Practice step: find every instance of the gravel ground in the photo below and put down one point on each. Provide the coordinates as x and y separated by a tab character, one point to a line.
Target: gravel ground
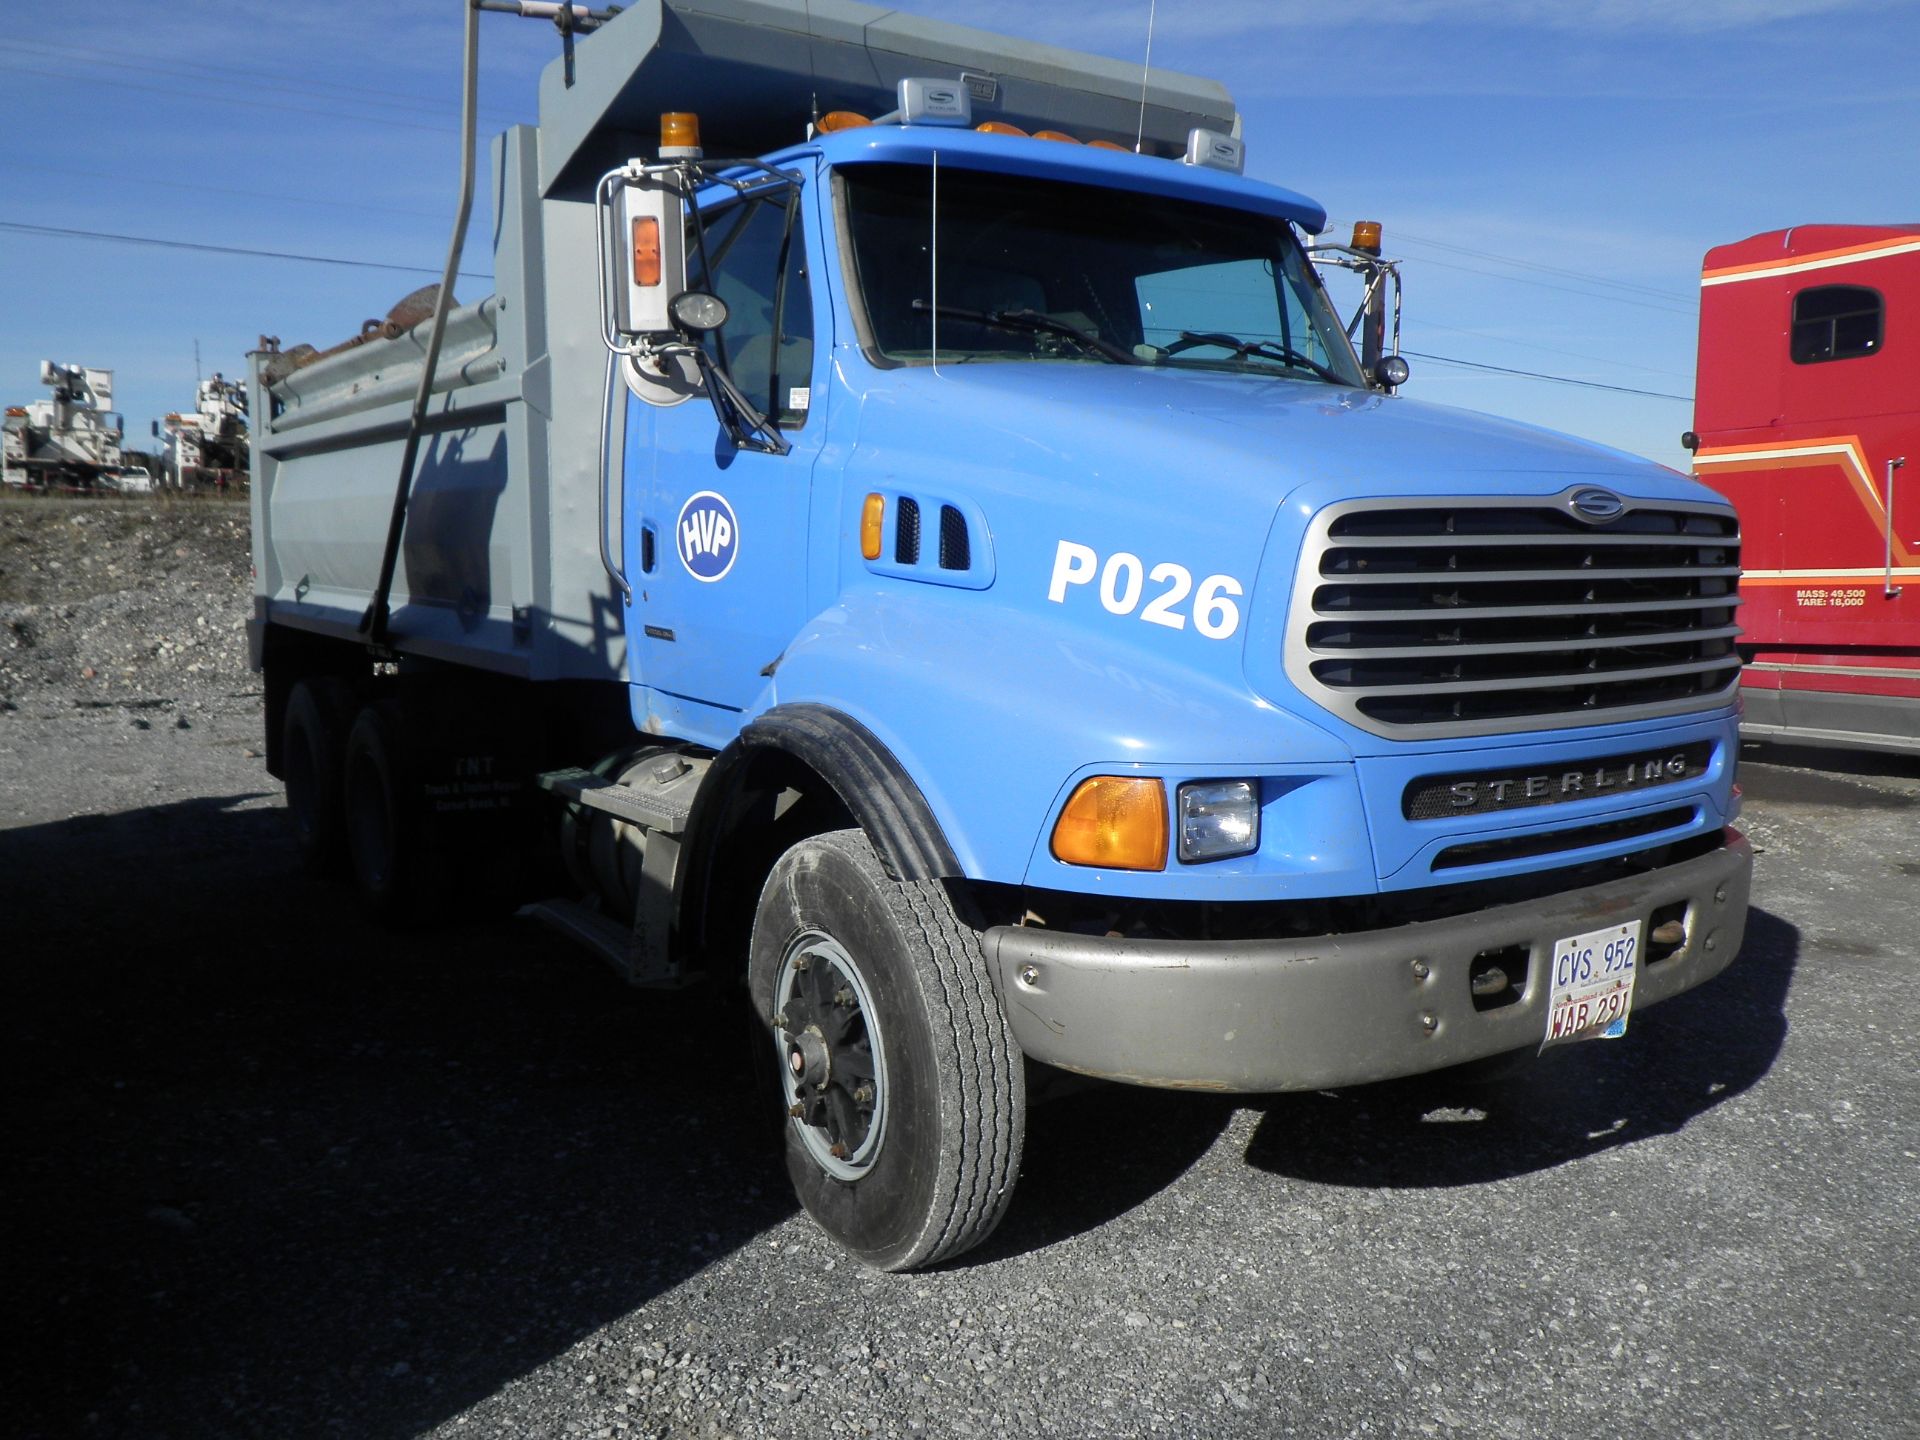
277	1172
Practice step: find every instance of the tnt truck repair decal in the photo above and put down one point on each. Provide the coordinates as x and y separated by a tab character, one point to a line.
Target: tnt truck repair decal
708	536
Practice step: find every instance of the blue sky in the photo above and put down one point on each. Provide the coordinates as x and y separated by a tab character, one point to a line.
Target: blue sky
1550	171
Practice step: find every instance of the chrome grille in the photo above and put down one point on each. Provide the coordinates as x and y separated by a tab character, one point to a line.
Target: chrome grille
1438	618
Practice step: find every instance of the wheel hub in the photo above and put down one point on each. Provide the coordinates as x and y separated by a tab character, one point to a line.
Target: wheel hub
832	1067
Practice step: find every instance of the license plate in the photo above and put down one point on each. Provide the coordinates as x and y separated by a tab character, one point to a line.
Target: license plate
1593	984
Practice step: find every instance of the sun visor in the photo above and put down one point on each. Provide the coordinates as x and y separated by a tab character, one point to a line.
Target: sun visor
756	71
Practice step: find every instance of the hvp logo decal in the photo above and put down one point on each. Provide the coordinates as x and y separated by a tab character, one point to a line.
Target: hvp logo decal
708	536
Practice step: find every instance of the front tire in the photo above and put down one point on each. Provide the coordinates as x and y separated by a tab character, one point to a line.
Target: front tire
904	1089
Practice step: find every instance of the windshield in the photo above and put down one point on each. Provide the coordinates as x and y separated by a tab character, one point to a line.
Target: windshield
1034	270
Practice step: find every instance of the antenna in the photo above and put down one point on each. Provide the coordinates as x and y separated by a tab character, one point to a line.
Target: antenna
1140	135
933	249
196	362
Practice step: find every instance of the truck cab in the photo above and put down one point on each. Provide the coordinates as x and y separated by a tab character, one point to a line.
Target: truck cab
994	616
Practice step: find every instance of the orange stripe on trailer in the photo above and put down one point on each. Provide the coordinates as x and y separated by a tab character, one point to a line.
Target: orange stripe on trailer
1844	451
1819	260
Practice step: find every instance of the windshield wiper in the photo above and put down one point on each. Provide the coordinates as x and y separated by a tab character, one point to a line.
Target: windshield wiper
1264	349
1031	322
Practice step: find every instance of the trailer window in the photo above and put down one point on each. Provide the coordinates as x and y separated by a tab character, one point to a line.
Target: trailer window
759	263
1836	322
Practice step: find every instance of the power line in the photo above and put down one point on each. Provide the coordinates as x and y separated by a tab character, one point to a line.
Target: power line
1556	379
214	97
1547	285
1649	290
61	233
68	172
1426	324
247	75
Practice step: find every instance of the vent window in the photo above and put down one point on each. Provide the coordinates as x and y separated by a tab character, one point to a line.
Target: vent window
1836	322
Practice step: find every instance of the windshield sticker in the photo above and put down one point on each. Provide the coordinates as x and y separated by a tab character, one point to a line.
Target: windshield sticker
1126	580
708	536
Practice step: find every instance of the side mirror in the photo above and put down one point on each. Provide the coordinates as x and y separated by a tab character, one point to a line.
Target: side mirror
698	311
1391	371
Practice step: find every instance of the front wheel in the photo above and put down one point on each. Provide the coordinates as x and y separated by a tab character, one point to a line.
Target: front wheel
904	1090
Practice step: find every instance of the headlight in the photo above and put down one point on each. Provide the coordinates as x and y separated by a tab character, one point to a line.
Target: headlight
1219	818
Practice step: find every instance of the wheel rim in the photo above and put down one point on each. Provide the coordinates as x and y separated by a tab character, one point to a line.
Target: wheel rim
833	1070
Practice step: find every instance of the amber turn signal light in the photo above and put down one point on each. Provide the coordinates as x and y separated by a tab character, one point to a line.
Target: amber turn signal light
1114	824
646	251
841	120
873	519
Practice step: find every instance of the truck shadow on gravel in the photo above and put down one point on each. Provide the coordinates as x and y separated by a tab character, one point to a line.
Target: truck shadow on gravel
276	1171
1678	1061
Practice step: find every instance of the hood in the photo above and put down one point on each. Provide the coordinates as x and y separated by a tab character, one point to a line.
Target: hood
1276	434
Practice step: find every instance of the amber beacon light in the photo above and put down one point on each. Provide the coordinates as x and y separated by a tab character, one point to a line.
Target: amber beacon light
1114	823
679	135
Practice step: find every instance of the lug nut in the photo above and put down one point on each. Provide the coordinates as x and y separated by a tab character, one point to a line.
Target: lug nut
838	1150
843	997
795	1111
864	1095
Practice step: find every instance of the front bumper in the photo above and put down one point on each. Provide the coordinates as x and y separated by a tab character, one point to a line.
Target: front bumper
1307	1014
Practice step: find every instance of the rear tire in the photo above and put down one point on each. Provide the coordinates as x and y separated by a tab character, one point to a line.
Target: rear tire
380	810
893	1048
312	747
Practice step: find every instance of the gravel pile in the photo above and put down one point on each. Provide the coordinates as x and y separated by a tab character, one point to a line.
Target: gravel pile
103	602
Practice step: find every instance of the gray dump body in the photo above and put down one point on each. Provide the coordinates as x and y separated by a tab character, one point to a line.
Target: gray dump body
499	564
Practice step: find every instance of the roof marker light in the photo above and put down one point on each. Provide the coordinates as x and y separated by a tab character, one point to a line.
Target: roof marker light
931	102
1215	151
999	127
841	120
1055	135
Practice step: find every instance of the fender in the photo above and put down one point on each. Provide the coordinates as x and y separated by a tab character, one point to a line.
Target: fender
874	785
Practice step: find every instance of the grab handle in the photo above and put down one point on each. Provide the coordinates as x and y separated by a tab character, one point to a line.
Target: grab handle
1892	589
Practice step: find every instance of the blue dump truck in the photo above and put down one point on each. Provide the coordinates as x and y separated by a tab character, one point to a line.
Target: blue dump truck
910	536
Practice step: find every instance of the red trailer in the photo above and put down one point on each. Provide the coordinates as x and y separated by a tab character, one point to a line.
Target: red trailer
1807	407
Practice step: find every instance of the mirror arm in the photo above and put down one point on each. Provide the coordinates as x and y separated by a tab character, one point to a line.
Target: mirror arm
745	426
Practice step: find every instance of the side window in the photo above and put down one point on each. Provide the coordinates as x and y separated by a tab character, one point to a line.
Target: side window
760	270
1836	322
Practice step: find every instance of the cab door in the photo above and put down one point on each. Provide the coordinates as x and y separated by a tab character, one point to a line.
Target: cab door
720	542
